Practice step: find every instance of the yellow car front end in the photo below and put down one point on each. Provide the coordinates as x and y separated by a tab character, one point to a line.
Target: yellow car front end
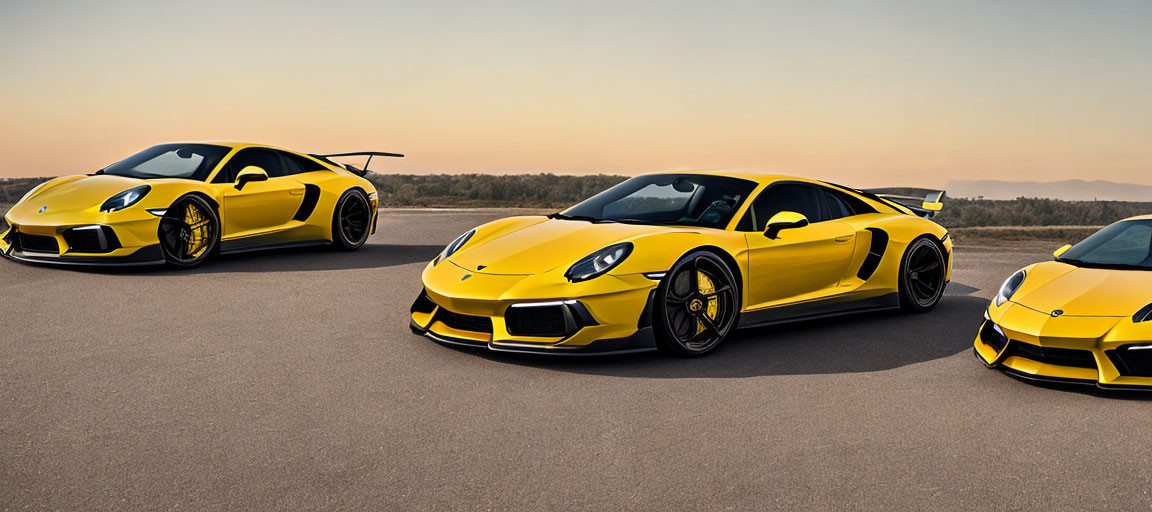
65	222
1104	351
1085	318
522	313
508	294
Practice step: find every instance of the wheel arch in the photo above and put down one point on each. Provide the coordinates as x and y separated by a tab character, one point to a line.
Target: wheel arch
727	258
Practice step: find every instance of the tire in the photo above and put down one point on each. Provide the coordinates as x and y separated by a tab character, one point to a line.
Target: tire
922	274
189	232
697	304
351	221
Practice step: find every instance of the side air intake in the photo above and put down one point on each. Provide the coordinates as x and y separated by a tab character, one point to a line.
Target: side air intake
875	253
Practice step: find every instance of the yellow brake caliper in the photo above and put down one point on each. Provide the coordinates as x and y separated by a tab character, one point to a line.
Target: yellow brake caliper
706	287
197	227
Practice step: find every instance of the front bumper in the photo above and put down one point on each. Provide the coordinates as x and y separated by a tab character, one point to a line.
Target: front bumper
1032	345
131	240
532	314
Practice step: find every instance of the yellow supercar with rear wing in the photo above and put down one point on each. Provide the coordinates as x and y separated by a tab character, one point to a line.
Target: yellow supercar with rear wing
677	261
180	203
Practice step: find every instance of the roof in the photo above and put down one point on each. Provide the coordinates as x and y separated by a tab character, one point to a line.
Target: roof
759	177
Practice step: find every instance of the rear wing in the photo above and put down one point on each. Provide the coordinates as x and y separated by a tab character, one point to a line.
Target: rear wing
921	201
350	167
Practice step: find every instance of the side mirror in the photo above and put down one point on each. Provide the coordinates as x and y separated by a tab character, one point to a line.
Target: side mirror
1059	252
782	221
250	173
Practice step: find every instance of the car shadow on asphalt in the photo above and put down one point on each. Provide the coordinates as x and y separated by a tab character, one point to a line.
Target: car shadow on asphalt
302	259
848	344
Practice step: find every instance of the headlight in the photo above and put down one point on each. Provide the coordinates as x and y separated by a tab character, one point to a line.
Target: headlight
455	246
599	262
1010	286
125	199
32	192
373	197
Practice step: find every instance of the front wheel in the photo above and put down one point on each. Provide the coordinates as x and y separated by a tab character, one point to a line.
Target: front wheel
696	305
922	275
351	221
189	232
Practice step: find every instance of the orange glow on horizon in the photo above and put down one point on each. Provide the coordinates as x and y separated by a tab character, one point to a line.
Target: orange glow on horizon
893	95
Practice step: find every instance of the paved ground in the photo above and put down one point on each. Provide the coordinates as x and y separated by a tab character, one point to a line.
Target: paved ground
290	380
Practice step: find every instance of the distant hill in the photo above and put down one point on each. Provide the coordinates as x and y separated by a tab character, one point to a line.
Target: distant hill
1069	190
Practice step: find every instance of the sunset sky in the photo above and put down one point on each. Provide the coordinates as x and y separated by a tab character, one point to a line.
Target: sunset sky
867	93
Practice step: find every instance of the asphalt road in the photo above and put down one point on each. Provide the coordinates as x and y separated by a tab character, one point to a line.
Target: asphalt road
291	380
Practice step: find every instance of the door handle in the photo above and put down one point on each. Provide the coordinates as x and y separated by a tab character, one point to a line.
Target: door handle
842	239
296	192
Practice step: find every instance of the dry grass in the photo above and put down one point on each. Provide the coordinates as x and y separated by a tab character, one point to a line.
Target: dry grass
1018	235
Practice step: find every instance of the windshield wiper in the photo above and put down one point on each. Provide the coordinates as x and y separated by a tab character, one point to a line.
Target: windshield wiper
1109	266
644	222
585	218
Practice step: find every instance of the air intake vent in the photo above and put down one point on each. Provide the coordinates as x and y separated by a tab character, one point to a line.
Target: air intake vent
1132	360
423	304
992	336
1143	315
37	243
1049	355
547	320
875	253
91	239
465	322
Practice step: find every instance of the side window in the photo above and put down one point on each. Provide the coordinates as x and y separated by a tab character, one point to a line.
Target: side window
837	208
298	164
262	158
788	197
291	166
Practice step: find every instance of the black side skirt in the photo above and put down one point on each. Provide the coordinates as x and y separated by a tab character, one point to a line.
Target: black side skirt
818	309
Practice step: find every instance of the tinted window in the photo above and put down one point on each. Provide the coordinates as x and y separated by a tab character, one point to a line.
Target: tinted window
263	158
187	161
679	199
837	209
1125	244
291	166
297	164
786	197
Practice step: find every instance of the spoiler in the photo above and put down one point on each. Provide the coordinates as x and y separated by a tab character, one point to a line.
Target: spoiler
351	168
921	201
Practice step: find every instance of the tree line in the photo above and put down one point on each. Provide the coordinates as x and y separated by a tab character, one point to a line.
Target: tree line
558	191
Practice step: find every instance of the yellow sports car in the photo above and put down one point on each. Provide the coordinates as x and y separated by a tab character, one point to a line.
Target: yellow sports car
1084	318
180	203
677	261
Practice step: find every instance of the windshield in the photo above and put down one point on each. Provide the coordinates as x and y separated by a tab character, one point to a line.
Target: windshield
675	199
187	161
1123	245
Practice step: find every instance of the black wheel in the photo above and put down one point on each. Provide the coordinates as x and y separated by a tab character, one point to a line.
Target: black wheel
922	274
189	232
696	305
351	221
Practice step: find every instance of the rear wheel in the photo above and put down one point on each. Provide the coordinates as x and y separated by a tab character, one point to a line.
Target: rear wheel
351	221
696	305
189	232
922	274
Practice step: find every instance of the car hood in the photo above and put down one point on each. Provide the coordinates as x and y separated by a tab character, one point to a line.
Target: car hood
79	193
545	246
1079	291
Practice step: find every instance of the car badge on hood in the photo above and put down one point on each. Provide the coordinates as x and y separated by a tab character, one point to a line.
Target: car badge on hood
42	209
1057	313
